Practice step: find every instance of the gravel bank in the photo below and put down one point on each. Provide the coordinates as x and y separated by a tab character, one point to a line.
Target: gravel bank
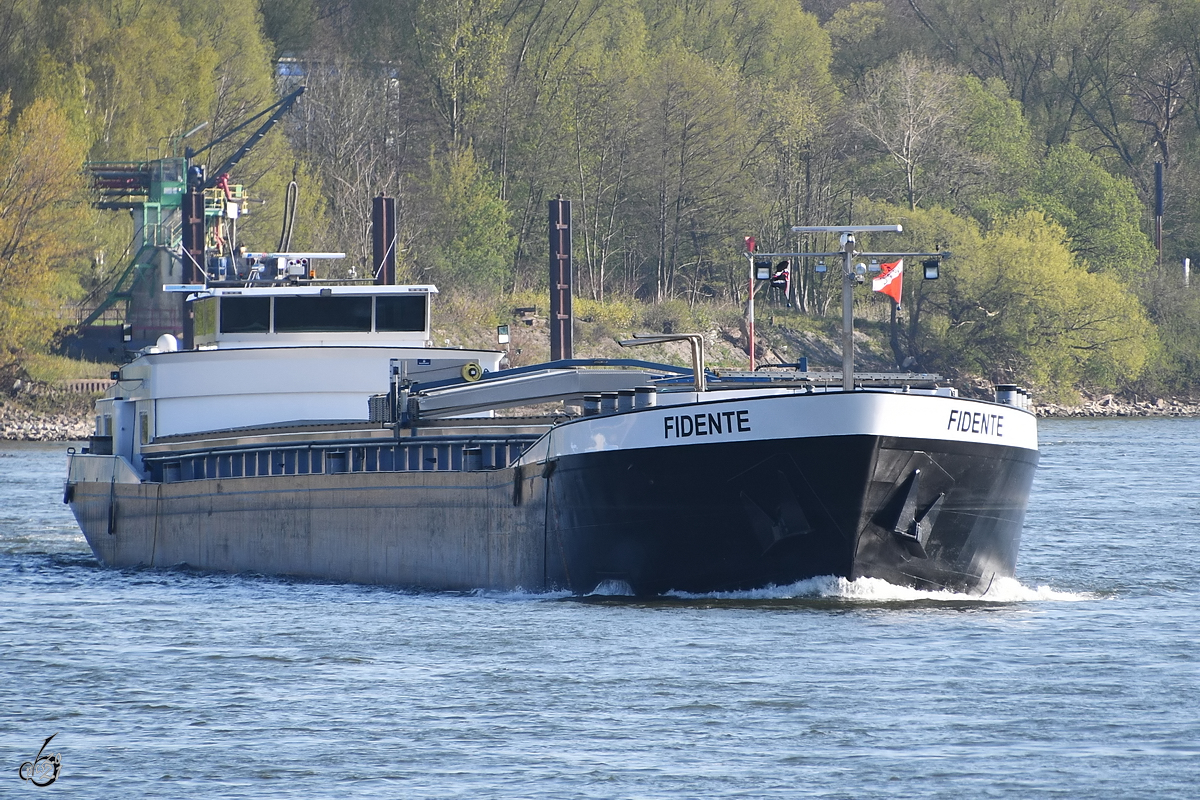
18	423
1110	406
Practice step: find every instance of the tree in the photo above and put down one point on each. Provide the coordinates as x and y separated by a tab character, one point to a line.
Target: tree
865	36
994	147
466	238
288	24
1014	305
1020	307
351	126
44	217
605	131
135	96
458	46
1101	213
567	66
907	111
694	149
1029	44
1175	369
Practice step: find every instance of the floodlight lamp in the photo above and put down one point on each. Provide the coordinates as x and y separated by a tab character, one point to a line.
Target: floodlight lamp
931	269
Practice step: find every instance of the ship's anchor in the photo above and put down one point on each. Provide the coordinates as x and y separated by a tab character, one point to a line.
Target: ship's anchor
914	529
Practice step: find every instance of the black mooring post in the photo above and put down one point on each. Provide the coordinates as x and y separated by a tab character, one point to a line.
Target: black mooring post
383	240
561	345
1158	210
192	213
192	216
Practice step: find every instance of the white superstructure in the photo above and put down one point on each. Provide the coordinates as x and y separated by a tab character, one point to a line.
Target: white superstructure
269	355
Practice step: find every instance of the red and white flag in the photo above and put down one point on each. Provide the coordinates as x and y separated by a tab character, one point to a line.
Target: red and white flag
890	280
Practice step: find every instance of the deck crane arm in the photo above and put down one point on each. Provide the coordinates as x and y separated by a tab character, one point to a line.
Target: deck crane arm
275	111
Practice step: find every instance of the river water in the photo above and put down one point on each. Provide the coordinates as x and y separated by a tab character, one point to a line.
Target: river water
1082	680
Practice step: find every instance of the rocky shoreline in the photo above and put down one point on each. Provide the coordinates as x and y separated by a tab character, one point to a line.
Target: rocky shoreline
1110	406
21	424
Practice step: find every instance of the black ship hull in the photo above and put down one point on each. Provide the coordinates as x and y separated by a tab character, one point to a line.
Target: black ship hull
740	516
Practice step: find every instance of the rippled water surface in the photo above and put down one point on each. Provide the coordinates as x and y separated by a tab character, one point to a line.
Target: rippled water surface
1082	680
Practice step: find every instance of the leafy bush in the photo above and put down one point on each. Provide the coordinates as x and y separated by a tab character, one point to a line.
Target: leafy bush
675	316
612	314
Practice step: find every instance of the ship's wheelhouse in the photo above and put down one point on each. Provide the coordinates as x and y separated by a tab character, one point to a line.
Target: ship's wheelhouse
302	315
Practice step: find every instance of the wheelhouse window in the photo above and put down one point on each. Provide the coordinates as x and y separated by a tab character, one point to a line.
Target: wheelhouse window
245	314
400	313
322	314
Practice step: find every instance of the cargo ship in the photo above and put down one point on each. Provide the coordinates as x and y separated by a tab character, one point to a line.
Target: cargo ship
312	429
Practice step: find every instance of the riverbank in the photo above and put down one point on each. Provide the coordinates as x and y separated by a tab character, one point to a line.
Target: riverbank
1112	406
19	423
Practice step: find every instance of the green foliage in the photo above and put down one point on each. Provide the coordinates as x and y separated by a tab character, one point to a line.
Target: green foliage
773	41
469	241
43	222
675	316
288	24
458	47
1019	305
1100	212
1175	368
139	73
864	36
50	369
614	314
1039	48
997	134
1013	304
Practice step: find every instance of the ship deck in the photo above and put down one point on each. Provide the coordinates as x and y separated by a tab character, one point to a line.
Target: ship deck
315	447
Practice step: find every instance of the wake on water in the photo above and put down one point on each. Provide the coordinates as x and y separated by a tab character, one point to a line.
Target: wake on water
825	587
875	590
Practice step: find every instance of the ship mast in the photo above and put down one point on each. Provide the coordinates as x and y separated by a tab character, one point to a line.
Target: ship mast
850	276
